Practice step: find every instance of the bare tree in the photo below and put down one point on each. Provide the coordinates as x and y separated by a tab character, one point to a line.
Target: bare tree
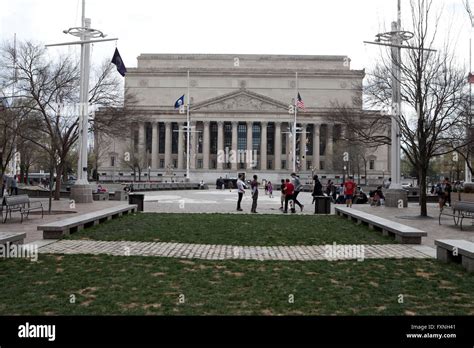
50	88
433	97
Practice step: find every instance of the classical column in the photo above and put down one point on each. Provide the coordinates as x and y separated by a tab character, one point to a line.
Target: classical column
316	146
167	145
154	146
235	126
141	140
193	149
220	144
277	146
250	159
263	146
206	145
180	146
303	147
329	147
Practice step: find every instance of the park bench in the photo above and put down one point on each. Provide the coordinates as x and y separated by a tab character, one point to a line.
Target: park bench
453	250
12	238
459	210
20	203
402	233
58	229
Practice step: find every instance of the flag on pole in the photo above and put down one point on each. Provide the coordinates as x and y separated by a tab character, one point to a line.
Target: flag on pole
117	60
470	78
179	102
300	103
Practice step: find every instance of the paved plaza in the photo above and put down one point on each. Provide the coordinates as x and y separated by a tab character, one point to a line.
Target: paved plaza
224	201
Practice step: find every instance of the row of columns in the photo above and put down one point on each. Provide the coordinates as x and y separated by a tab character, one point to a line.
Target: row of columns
220	144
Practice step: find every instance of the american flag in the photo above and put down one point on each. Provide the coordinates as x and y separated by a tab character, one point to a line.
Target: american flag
300	103
470	78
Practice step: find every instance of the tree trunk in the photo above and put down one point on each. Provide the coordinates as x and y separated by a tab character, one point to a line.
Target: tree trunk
422	180
59	175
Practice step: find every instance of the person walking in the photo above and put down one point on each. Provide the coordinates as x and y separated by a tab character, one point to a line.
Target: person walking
298	187
349	190
270	189
290	190
447	191
254	188
283	193
240	192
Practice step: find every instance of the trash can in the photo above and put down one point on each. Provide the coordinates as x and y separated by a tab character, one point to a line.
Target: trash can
322	205
138	199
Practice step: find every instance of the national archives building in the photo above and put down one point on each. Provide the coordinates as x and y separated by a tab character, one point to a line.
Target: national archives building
239	104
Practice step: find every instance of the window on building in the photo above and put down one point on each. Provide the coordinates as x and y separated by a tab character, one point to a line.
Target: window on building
372	164
213	164
162	163
309	140
256	137
241	165
161	136
270	164
112	161
175	163
135	140
271	139
228	136
199	164
242	137
148	137
174	138
309	165
213	134
283	143
322	138
321	165
200	140
283	164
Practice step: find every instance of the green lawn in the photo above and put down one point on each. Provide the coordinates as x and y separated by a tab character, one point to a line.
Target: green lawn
149	285
268	230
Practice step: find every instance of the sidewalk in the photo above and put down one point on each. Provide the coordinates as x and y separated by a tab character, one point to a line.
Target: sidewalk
30	225
410	217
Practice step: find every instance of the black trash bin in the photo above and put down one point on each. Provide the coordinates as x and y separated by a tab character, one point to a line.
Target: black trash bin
322	205
138	199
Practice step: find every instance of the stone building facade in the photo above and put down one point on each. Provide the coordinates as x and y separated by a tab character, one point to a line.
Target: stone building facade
241	117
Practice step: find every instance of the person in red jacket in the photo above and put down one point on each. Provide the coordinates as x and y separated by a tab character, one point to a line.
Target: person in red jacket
349	191
290	191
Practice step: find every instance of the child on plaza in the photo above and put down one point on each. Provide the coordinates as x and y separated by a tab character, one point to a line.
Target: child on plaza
270	189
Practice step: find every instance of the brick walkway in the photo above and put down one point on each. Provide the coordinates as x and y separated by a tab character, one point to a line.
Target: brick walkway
229	252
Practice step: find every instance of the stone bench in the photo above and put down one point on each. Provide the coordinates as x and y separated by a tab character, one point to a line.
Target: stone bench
58	229
102	196
12	238
452	250
402	233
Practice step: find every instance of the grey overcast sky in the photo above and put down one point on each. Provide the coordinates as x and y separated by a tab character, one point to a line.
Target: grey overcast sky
326	27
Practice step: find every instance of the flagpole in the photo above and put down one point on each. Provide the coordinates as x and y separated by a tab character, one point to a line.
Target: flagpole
294	124
188	133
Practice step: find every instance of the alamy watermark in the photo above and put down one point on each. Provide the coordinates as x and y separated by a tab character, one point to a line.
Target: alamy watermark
336	252
238	156
10	251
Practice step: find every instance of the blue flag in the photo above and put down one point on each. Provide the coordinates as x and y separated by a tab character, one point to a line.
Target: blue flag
117	60
179	102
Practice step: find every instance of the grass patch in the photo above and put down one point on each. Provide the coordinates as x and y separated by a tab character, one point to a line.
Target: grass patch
245	229
148	285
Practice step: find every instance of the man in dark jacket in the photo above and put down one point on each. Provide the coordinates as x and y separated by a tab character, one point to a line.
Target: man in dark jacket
318	187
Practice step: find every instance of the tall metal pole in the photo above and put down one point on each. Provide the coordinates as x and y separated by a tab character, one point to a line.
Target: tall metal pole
467	170
84	104
188	134
14	163
294	124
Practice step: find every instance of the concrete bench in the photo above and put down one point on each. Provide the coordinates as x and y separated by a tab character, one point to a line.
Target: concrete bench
458	211
402	233
58	229
12	238
454	250
102	196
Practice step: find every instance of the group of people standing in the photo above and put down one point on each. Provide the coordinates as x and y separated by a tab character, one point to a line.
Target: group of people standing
443	191
289	192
